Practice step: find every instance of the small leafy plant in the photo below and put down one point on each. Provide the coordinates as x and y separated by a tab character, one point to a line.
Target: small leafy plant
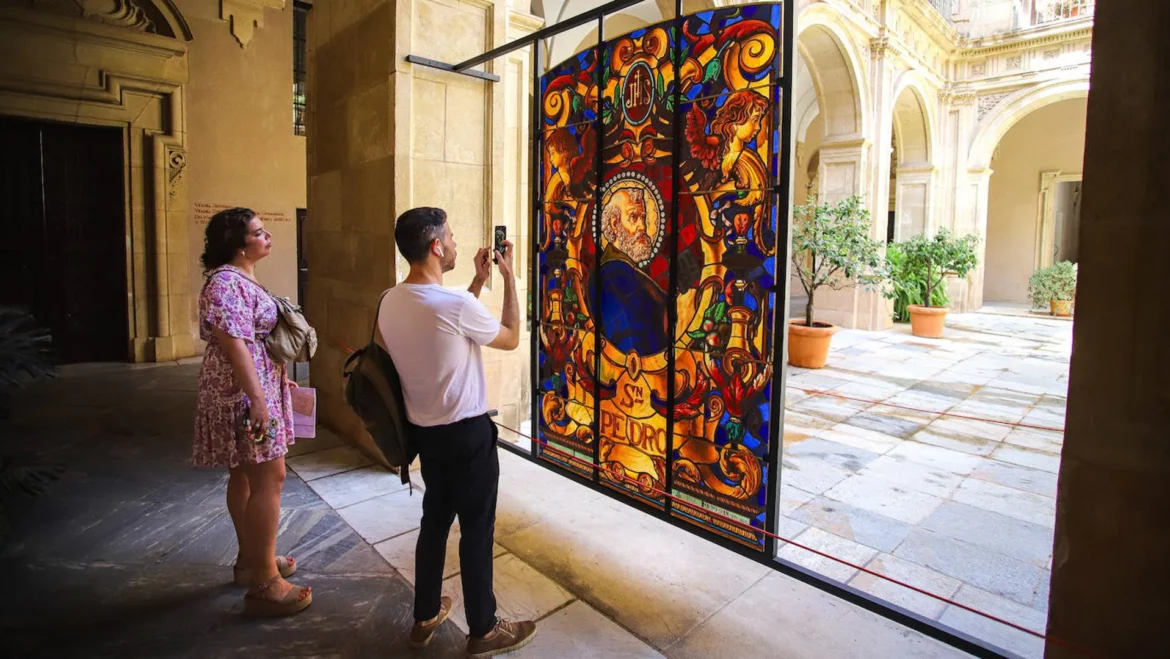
908	284
26	349
1056	282
25	355
938	256
831	246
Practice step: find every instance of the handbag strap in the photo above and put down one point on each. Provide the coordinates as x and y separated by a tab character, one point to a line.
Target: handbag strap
232	269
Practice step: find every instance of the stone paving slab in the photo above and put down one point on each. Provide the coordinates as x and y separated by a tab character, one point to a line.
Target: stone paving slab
830	544
984	568
399	552
795	621
1027	542
1011	639
579	631
328	462
909	573
883	497
861	526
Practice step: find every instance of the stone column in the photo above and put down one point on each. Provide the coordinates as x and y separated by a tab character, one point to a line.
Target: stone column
881	117
967	295
353	179
843	173
1109	575
386	136
962	198
913	198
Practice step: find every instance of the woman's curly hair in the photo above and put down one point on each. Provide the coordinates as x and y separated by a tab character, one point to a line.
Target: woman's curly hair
224	237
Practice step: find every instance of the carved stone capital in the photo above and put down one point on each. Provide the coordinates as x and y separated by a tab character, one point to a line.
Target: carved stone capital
957	96
882	47
245	16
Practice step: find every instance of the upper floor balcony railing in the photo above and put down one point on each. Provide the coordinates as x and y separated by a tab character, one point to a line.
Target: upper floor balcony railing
945	7
984	18
1052	11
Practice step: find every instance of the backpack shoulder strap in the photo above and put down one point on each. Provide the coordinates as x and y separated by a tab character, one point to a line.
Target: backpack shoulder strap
377	312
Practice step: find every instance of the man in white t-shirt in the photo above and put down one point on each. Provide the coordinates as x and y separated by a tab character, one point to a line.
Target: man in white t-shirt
434	335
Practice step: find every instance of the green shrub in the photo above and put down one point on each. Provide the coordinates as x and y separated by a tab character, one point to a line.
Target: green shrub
938	256
908	284
1056	282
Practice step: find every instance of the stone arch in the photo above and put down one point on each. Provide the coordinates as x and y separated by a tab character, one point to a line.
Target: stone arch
1013	108
169	21
911	162
835	73
913	124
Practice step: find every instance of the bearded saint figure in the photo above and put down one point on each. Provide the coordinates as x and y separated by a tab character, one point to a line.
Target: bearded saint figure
632	307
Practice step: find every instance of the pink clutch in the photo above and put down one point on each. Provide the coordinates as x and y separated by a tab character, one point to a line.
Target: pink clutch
304	404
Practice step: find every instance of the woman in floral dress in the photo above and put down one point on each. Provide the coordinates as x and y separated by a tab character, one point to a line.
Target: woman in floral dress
239	382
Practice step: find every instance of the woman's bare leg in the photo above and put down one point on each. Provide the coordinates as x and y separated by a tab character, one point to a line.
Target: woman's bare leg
261	518
238	492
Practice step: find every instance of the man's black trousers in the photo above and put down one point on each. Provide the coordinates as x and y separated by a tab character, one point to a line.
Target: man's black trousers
461	474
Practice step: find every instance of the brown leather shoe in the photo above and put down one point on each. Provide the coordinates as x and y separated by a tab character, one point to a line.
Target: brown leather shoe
422	632
506	637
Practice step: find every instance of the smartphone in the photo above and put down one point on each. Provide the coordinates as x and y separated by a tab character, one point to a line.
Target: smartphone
501	234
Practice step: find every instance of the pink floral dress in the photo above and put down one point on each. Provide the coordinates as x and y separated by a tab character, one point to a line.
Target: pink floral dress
242	309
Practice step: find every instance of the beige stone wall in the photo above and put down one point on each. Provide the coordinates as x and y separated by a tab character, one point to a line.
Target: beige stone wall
1040	142
386	136
57	64
353	183
242	148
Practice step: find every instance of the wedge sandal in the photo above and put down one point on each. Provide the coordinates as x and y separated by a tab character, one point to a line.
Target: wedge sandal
258	606
285	565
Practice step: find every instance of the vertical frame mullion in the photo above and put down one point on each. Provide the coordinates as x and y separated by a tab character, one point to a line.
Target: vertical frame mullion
596	270
535	283
782	203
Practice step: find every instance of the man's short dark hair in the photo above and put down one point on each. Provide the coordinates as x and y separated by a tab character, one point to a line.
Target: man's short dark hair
416	229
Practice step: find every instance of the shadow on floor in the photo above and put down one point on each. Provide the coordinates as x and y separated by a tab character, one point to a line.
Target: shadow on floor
129	553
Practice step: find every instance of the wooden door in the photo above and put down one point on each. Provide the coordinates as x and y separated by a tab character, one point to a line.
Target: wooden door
64	252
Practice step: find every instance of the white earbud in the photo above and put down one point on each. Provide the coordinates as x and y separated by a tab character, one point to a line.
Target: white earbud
441	254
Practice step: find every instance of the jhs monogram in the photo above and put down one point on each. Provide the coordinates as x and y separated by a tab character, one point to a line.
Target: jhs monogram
638	92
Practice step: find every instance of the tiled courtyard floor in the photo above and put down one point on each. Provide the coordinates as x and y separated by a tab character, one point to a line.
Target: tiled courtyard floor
130	550
128	554
959	507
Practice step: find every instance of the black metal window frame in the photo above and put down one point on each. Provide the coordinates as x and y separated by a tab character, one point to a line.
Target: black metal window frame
300	64
910	619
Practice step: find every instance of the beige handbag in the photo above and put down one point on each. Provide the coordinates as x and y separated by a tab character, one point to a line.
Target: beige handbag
293	339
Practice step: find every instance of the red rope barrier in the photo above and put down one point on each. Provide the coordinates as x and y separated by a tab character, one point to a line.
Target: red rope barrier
1013	424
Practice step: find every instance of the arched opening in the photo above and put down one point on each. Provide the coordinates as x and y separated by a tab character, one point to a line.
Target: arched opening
829	133
833	77
910	167
1033	206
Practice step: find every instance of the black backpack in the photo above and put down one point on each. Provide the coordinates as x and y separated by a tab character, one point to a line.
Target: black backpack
374	391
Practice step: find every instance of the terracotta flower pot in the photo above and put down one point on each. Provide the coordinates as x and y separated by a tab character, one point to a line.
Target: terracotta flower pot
808	347
927	322
1062	308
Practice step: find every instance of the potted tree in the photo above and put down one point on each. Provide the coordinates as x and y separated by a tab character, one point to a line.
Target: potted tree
831	246
935	258
1055	288
907	284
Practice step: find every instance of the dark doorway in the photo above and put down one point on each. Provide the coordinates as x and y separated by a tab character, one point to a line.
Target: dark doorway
63	252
